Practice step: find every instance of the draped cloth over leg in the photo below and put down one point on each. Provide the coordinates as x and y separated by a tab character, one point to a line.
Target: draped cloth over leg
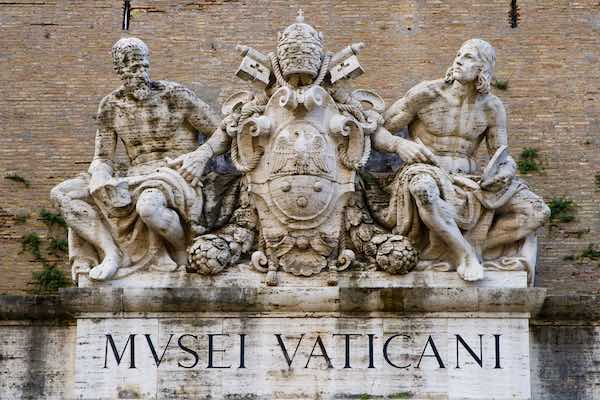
472	210
140	245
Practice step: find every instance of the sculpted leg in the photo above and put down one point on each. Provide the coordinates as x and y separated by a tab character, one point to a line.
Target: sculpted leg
84	220
522	215
152	209
434	212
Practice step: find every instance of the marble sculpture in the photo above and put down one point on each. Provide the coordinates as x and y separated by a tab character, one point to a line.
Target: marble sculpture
302	201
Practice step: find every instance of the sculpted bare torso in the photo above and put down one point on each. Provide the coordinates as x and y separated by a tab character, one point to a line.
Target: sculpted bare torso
161	126
451	126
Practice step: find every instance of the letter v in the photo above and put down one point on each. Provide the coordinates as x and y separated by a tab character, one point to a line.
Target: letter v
157	360
284	350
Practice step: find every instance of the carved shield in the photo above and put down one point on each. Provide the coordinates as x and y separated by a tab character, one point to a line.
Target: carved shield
301	197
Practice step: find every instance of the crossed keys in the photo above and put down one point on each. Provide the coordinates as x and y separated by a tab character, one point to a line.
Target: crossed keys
257	67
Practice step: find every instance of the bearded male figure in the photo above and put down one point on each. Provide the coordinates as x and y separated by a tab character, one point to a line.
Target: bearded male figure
147	217
441	199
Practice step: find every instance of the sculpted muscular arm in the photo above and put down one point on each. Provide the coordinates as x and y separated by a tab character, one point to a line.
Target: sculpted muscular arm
495	137
199	115
400	115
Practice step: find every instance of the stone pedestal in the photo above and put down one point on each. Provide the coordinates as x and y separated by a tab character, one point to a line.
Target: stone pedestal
361	341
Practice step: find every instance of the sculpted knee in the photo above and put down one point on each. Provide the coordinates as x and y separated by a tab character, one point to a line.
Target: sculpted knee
536	215
59	194
149	203
540	214
424	190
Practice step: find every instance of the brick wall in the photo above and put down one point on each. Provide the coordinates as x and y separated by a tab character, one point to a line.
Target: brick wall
55	67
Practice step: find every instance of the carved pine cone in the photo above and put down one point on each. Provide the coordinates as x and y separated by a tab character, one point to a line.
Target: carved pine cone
395	254
211	254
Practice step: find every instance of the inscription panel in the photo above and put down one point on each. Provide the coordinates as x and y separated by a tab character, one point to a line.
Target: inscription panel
291	357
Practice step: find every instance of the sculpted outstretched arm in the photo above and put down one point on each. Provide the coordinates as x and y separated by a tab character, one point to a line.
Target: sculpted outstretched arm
409	151
201	117
398	116
406	109
198	114
219	141
206	121
403	111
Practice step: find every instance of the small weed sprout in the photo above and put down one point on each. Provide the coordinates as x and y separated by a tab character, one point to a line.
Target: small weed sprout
52	219
57	246
562	209
31	242
49	279
528	161
501	84
590	253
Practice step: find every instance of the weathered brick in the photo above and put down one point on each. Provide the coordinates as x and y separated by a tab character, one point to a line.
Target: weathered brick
56	66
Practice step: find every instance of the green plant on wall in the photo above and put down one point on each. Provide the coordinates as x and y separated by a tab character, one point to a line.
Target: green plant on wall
562	209
597	180
52	219
32	242
51	277
501	84
58	246
401	396
528	161
590	253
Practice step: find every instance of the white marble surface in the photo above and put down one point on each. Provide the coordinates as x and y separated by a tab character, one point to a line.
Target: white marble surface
267	376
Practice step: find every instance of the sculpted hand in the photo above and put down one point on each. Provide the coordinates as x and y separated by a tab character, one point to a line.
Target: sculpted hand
465	182
374	120
413	152
96	184
499	181
191	165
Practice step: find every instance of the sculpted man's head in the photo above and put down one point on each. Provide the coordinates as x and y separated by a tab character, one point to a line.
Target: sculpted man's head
131	59
474	62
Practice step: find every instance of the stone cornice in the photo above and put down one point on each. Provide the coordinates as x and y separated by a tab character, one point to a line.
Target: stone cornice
77	302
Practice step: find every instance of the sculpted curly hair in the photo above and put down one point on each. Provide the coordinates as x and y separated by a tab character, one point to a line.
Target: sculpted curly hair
127	48
487	55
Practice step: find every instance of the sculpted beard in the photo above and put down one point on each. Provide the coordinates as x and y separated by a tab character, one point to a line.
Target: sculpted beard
140	89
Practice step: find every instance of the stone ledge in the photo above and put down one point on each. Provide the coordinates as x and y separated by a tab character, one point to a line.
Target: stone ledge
243	276
579	308
73	302
33	307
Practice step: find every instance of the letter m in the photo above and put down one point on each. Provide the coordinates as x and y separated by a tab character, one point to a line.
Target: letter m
119	357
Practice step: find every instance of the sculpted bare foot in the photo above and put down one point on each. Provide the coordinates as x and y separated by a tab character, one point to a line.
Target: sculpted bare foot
106	269
470	269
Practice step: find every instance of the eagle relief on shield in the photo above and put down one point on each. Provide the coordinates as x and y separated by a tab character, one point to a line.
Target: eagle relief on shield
299	143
